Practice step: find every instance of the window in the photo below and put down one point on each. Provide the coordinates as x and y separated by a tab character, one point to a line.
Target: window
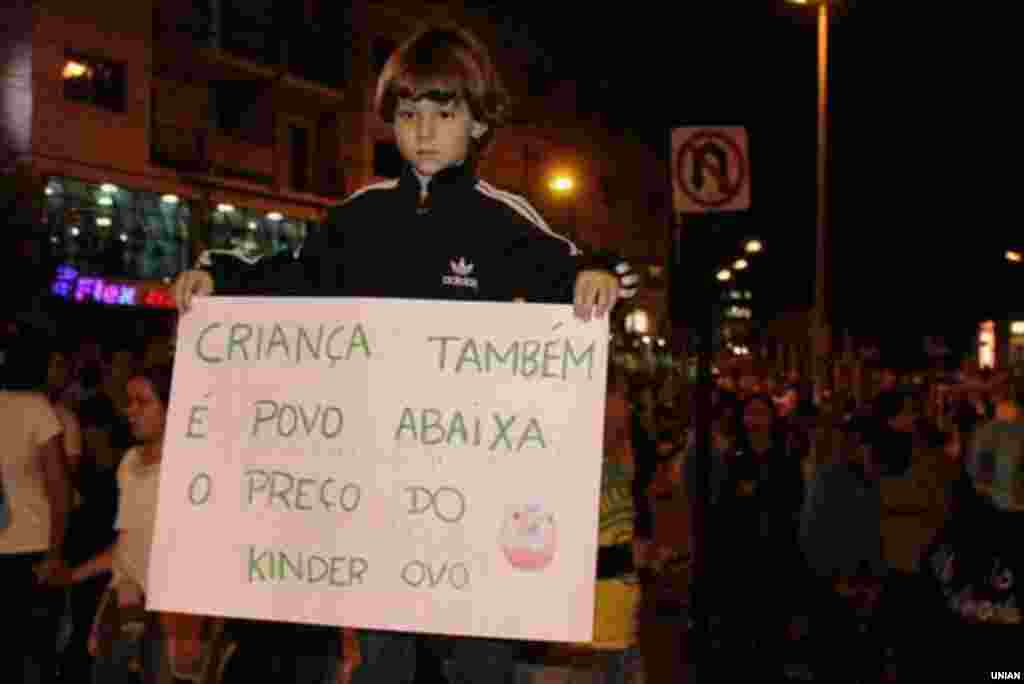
229	103
94	81
255	232
103	229
238	110
387	160
249	29
324	24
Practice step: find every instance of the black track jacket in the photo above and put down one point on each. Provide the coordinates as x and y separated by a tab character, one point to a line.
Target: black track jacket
467	241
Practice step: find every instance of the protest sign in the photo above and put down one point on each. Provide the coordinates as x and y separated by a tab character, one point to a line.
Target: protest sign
387	464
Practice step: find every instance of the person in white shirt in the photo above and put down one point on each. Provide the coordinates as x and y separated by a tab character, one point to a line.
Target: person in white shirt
34	479
172	641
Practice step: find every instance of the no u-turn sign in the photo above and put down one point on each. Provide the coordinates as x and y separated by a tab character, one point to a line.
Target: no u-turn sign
710	169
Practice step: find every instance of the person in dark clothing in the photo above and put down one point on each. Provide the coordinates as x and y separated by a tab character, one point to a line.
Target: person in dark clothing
645	461
437	232
91	522
892	432
974	564
841	537
754	566
278	652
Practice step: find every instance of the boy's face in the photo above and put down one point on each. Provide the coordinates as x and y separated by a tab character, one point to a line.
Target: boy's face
434	131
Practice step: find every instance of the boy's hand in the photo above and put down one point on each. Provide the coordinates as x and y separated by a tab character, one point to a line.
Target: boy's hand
595	295
191	284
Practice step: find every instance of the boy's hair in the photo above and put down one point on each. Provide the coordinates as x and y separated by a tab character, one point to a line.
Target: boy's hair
449	59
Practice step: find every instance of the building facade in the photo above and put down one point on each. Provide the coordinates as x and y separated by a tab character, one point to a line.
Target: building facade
160	128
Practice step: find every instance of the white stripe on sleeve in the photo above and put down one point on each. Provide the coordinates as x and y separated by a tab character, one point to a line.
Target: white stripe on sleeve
524	209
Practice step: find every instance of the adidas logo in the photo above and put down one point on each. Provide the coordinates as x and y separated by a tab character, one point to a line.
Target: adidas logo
462	270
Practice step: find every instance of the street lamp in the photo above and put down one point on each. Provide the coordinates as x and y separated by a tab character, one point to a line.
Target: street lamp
740	264
753	246
724	275
822	329
562	184
1014	257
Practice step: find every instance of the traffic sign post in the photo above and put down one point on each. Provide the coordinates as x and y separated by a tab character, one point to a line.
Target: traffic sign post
710	175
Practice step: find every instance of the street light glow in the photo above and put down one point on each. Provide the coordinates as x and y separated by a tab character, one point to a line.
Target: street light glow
724	275
739	264
753	246
73	69
561	183
1014	256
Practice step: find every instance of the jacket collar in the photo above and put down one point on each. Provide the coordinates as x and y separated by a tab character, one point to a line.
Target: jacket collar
442	186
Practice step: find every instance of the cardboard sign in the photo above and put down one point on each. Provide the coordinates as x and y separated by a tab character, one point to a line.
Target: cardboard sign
387	464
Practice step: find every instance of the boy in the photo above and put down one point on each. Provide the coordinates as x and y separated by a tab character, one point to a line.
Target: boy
438	232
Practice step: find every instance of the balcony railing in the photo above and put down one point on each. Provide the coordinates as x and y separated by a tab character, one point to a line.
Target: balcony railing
198	150
241	160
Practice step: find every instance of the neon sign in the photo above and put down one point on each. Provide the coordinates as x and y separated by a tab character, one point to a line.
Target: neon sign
73	287
159	298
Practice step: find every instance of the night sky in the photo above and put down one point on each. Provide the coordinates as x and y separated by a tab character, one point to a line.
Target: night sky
914	252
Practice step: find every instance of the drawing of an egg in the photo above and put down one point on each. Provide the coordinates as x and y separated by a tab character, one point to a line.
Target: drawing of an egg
529	537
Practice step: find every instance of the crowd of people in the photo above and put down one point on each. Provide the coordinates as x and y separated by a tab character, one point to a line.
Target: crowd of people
807	554
893	542
899	541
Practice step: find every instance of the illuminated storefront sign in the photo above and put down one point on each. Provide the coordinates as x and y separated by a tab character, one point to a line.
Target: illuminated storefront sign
987	345
738	313
72	286
1017	342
